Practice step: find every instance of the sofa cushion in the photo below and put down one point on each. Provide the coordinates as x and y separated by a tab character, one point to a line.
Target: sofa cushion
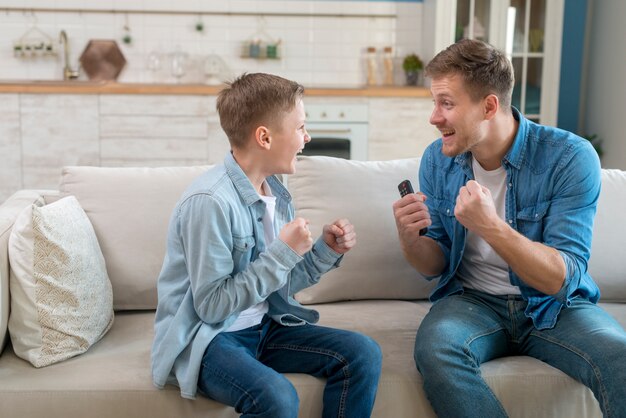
130	210
61	298
326	188
607	265
113	378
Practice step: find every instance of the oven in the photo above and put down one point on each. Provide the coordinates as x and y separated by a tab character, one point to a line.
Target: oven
337	130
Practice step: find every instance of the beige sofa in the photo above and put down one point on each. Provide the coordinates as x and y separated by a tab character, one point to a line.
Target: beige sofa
374	292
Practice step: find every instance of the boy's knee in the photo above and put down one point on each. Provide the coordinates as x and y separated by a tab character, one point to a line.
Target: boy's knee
279	400
374	352
366	350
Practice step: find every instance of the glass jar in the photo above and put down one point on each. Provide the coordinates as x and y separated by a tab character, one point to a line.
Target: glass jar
388	65
371	66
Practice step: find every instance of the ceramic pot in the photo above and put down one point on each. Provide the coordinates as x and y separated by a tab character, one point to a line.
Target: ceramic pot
412	78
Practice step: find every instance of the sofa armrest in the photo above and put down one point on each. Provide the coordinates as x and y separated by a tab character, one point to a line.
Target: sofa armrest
9	210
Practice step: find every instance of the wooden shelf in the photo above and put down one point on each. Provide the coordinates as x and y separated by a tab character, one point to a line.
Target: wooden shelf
89	87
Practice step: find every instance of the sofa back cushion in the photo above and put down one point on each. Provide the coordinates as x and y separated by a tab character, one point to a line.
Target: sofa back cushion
325	189
130	209
363	191
607	265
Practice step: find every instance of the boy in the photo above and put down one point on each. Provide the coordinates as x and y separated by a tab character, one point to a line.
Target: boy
226	323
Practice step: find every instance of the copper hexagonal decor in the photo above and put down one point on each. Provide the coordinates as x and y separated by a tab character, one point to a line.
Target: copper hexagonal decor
102	60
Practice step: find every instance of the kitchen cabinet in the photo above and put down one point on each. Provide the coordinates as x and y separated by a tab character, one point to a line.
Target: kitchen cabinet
399	127
10	145
40	133
530	31
153	130
55	131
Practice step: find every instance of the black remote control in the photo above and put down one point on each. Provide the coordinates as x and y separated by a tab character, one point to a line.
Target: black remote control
405	187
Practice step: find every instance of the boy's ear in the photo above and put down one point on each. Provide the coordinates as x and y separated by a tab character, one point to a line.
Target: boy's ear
262	137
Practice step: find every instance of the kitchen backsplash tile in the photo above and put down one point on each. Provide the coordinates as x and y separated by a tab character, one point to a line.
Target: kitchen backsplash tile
316	49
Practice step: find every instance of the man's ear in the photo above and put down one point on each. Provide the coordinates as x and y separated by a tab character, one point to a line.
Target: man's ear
262	137
491	105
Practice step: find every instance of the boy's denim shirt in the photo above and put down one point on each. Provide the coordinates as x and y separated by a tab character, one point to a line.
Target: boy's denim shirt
553	184
217	264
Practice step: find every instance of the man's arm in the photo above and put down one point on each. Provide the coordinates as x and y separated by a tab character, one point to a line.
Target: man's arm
555	261
423	253
538	265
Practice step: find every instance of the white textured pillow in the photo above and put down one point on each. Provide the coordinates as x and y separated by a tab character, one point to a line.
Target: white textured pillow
326	188
61	297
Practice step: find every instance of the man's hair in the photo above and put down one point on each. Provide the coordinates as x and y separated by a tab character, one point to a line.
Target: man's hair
484	69
252	100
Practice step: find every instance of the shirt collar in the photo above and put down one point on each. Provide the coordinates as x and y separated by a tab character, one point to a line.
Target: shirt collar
244	186
515	156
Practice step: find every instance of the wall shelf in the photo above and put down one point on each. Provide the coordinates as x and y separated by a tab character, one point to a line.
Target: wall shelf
189	12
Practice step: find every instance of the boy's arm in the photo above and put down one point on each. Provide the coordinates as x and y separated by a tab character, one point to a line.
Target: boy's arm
210	250
315	263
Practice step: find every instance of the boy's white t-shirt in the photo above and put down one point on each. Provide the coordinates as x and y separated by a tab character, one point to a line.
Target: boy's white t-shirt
254	314
481	267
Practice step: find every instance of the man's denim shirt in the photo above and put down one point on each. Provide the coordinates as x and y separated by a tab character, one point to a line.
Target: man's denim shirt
217	264
553	184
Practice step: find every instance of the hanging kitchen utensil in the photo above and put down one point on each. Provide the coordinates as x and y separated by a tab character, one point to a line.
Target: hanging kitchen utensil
261	45
102	60
127	38
34	42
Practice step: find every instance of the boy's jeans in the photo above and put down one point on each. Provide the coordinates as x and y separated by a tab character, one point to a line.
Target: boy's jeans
243	369
462	331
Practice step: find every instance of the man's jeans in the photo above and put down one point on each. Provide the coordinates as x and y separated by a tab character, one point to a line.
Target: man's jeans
243	369
462	331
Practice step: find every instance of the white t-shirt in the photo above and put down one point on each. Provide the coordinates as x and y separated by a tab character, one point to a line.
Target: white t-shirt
481	267
254	314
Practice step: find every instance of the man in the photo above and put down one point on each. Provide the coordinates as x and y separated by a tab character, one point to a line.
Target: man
509	206
226	322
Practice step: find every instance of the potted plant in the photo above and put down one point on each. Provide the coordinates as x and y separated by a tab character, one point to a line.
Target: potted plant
412	65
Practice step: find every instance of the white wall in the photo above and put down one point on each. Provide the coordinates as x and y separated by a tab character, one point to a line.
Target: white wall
317	50
606	80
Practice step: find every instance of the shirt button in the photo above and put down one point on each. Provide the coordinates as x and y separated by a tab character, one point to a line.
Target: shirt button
510	221
448	211
259	219
510	184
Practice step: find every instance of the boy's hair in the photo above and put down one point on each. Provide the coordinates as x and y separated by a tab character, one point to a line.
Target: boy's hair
252	100
484	69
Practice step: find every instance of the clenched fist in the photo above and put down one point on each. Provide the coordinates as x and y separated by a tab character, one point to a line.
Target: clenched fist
340	236
297	236
475	208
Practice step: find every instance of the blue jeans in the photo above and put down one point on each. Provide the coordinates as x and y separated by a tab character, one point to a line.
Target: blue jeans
244	369
463	331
